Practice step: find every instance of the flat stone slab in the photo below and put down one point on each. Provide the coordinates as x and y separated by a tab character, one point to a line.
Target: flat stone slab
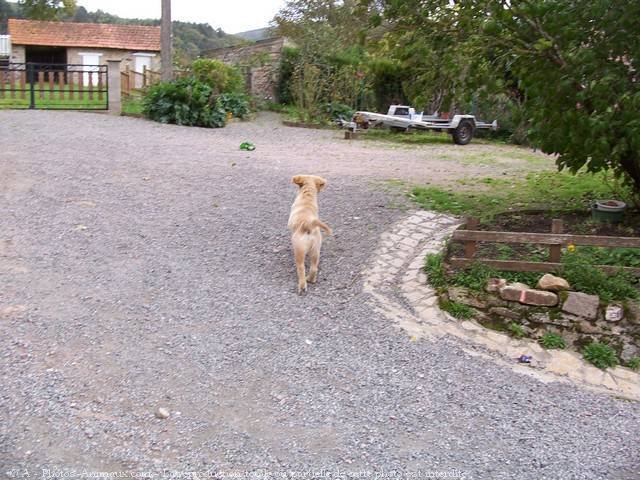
582	305
539	298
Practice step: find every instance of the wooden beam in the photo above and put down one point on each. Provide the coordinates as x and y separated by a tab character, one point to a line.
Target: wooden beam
555	251
545	238
516	266
470	247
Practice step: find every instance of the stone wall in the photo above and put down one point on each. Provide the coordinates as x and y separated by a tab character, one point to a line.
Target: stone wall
260	61
17	54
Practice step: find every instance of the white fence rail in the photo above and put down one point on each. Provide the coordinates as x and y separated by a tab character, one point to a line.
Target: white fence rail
5	45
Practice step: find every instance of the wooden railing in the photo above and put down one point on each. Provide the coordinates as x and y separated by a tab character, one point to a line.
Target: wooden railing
555	240
132	81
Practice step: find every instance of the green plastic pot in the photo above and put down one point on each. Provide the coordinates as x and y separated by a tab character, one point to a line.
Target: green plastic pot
609	211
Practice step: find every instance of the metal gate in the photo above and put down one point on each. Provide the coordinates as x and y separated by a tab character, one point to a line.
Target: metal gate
54	86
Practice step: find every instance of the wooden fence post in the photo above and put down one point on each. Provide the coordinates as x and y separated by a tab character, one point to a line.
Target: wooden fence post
470	246
555	251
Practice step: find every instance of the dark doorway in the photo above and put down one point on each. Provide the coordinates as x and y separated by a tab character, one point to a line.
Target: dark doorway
43	58
37	54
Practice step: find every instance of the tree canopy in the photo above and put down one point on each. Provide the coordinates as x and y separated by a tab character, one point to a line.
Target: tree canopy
47	9
565	72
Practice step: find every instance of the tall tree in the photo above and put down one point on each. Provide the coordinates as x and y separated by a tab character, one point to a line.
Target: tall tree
575	63
47	9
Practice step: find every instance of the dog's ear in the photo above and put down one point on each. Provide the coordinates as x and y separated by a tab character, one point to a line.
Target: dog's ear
298	180
320	183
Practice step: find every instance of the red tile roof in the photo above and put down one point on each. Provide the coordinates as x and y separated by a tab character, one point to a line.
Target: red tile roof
95	35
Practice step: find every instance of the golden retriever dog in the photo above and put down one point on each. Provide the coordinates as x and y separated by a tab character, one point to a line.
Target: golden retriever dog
305	225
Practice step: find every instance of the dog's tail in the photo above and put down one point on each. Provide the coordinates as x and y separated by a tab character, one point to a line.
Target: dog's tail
319	223
307	227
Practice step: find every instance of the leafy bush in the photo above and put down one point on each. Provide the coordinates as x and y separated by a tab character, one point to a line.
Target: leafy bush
457	310
185	101
288	62
235	103
552	340
222	78
584	277
600	354
337	111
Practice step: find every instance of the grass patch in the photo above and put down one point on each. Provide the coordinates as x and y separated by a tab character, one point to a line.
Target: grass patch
132	106
411	137
457	310
56	98
556	191
634	363
600	354
551	340
516	330
434	268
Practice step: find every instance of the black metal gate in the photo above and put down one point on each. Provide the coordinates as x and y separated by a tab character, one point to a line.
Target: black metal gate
54	86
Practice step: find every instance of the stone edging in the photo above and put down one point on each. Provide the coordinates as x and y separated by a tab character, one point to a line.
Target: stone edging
398	289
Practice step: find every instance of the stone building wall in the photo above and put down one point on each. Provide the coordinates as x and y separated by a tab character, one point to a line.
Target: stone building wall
260	61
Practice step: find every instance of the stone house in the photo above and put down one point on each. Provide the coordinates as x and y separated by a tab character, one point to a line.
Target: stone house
84	44
260	62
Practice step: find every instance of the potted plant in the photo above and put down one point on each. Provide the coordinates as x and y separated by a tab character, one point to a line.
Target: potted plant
610	211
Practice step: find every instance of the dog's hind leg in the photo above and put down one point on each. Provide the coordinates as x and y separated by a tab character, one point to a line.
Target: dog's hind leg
314	261
298	254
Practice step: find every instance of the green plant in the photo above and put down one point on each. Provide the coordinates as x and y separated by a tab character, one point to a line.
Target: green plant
584	277
634	363
434	268
476	275
552	340
457	310
222	78
516	330
600	354
185	101
339	111
235	103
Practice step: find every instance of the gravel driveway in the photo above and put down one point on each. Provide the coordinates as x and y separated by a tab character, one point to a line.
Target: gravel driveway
145	265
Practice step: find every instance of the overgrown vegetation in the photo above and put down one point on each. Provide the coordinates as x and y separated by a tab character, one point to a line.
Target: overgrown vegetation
559	192
578	270
600	354
207	98
474	277
551	340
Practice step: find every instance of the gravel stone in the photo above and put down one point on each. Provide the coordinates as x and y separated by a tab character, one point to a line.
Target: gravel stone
181	291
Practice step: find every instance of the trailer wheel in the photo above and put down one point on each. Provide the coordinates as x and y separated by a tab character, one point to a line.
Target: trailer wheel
463	133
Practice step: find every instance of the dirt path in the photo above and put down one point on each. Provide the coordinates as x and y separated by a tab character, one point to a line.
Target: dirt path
145	266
